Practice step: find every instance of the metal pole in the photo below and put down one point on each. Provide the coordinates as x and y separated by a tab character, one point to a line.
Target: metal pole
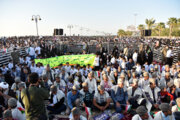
36	26
135	20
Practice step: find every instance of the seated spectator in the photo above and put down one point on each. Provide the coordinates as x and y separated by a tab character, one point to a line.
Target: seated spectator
165	113
176	109
106	83
152	93
60	84
76	115
17	111
101	99
119	96
92	84
49	72
86	96
57	101
142	114
135	95
72	99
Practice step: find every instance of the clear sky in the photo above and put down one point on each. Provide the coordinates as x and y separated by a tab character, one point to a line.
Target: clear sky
96	15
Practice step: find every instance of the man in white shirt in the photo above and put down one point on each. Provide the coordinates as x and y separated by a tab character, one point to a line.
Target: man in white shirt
135	55
92	84
165	113
76	115
113	60
16	110
142	114
38	49
169	56
96	62
31	52
67	68
10	65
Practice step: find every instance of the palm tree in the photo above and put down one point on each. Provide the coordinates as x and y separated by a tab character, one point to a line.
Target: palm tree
172	23
141	27
150	23
160	27
121	32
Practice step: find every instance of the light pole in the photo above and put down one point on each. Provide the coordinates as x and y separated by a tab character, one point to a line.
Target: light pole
36	18
135	20
70	27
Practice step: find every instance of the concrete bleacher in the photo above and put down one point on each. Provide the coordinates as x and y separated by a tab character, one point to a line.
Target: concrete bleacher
6	57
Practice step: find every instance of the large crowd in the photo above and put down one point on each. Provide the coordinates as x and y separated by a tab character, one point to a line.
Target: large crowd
119	79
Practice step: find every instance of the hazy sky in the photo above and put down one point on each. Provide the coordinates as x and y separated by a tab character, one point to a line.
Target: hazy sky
96	15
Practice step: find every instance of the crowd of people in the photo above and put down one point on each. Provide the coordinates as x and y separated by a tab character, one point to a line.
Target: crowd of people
118	79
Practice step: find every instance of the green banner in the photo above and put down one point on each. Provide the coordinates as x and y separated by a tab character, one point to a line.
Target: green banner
72	59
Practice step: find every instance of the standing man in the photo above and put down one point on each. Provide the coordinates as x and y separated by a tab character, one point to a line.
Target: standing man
33	98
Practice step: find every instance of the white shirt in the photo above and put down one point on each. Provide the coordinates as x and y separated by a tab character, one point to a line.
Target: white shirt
38	49
137	117
91	84
68	68
135	55
31	51
169	53
113	60
10	66
96	61
16	114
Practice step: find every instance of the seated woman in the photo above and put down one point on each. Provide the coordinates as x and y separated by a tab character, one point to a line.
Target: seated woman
57	99
101	99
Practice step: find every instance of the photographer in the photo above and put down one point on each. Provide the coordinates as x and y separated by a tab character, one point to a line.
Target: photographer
33	98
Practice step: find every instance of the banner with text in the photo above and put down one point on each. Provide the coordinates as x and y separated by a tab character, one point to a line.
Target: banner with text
72	59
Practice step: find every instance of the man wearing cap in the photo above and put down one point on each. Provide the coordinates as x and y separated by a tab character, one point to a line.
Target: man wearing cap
16	112
114	76
86	95
7	115
125	81
164	80
72	98
144	81
49	72
119	95
57	100
106	82
152	93
47	82
142	114
135	94
60	83
64	75
33	98
76	115
101	99
166	69
67	68
92	84
165	113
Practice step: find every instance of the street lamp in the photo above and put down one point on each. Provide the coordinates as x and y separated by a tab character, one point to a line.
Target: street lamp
36	18
70	27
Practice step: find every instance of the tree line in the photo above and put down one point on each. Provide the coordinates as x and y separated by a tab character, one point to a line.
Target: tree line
170	28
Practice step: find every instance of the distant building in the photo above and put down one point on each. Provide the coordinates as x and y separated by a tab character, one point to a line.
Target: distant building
131	28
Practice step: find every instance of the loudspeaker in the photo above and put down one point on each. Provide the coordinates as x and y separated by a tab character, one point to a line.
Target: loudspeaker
58	31
146	33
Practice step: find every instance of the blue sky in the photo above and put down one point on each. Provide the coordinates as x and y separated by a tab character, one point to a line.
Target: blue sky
96	15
